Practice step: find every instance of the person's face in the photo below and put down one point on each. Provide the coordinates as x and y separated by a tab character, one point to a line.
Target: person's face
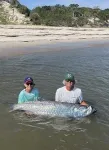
69	84
29	86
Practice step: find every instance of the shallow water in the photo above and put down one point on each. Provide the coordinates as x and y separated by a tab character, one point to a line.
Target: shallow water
89	62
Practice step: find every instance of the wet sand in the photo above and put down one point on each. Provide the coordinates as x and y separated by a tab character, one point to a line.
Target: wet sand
16	39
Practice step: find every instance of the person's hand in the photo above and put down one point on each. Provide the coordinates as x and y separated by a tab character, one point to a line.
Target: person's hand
28	88
84	103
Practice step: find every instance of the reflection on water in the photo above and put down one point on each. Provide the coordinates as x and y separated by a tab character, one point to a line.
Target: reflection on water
58	124
90	65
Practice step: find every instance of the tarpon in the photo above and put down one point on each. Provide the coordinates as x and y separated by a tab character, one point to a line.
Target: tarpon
55	109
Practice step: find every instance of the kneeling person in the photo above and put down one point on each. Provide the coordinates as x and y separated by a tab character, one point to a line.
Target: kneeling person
69	93
29	93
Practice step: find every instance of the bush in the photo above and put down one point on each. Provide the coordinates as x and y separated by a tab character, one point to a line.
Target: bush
14	3
35	18
24	10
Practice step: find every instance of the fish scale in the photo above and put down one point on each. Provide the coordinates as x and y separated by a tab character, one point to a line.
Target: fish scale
55	109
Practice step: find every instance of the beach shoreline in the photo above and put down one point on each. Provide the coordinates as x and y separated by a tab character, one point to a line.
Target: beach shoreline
14	39
31	33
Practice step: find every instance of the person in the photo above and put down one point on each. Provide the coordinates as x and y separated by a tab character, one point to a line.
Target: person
29	93
69	93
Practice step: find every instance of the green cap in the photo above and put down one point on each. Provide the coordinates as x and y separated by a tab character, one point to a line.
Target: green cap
69	77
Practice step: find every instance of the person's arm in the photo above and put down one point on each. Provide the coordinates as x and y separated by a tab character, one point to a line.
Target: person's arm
21	98
36	92
81	101
57	96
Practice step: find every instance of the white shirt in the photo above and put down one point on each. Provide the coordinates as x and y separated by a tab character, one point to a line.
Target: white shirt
73	96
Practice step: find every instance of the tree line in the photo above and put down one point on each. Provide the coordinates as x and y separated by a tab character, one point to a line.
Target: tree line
61	15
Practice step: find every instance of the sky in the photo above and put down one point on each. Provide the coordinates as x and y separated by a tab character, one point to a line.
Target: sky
102	4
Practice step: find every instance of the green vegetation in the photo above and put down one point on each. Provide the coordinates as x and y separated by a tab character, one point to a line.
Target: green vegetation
3	19
22	9
60	15
34	17
72	15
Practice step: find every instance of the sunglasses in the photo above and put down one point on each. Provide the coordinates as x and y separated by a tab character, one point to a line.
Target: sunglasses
29	84
70	81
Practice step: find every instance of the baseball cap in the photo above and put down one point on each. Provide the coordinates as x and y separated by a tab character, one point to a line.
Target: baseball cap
69	77
28	80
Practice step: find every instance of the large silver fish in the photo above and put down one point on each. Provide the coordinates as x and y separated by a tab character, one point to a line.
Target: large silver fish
55	109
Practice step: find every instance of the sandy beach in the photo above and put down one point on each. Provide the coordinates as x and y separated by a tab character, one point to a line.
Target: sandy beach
26	33
12	36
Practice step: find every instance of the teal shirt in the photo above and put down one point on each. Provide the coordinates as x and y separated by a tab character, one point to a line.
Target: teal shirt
25	96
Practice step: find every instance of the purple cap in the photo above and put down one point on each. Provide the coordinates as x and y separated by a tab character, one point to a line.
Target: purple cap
28	80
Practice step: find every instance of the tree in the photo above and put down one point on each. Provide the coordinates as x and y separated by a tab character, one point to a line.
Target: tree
74	5
60	15
104	15
14	3
24	10
35	18
73	8
95	12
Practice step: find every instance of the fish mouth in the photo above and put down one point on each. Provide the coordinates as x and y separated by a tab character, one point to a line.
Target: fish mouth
91	110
